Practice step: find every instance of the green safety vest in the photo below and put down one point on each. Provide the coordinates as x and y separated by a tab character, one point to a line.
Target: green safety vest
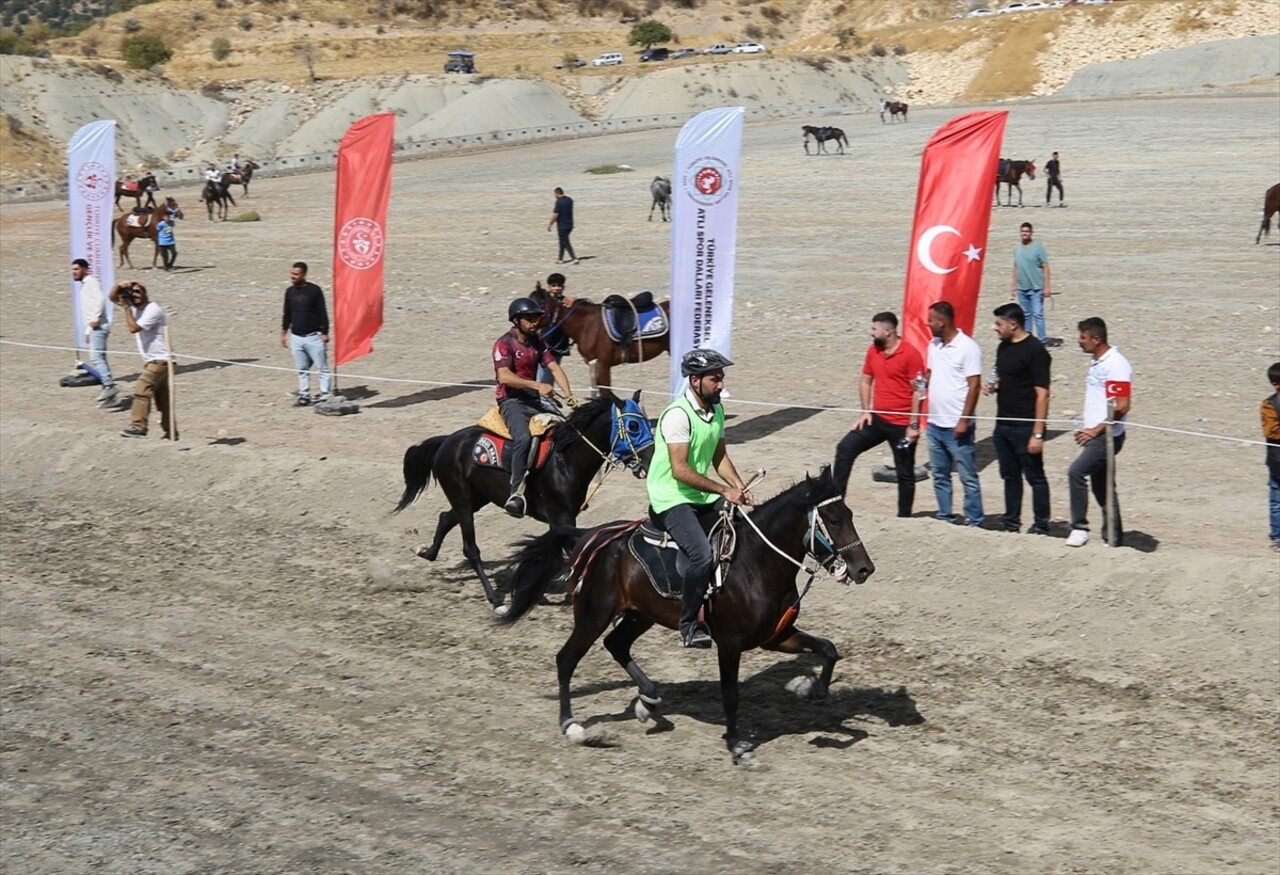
665	491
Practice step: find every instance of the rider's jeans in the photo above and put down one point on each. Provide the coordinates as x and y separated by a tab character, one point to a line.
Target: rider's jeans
308	351
517	414
684	523
98	353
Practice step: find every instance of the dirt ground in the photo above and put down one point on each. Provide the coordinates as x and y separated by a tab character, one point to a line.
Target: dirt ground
222	655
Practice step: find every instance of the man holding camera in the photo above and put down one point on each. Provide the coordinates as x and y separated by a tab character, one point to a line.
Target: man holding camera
146	321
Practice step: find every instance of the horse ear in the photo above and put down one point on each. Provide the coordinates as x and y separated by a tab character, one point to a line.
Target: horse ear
636	396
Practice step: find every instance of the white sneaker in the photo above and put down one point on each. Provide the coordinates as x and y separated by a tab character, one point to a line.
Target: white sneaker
108	393
1078	538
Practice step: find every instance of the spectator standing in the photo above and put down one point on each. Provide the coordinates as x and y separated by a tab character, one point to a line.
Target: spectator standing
884	105
954	372
1030	286
562	220
97	330
167	242
1053	170
557	307
886	392
1020	383
1271	432
304	330
146	320
1110	378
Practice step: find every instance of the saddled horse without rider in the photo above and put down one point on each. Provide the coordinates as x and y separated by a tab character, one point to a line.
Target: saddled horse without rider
896	108
806	527
1270	206
619	331
1010	172
132	226
138	189
660	190
821	135
469	467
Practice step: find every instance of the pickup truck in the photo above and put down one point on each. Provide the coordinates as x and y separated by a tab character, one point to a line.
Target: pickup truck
718	49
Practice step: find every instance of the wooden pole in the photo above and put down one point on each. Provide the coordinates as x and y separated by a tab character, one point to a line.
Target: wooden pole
173	413
1110	533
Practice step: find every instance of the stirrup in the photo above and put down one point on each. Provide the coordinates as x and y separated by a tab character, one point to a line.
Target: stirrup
695	635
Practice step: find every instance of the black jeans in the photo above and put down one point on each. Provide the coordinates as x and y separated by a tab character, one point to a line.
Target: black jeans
858	441
1054	182
687	524
517	415
1091	464
565	246
168	255
1010	442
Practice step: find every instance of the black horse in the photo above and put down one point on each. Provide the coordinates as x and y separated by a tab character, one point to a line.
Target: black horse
1010	172
603	430
757	607
821	135
218	194
896	108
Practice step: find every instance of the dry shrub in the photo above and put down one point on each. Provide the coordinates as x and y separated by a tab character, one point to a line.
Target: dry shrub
773	13
877	51
818	63
753	32
1189	21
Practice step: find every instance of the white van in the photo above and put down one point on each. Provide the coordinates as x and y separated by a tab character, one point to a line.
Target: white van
608	59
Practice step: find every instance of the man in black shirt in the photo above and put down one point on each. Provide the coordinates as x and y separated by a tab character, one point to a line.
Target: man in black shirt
562	220
1053	170
1020	383
304	330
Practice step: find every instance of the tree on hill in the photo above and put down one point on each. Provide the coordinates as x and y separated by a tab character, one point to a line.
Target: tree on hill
144	51
646	33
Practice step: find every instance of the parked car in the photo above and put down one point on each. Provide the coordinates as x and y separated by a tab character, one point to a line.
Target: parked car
656	53
460	62
748	48
718	49
681	53
979	13
577	62
608	59
1012	7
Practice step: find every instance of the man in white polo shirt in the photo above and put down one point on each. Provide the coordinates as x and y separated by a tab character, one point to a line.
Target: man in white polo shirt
954	374
1110	377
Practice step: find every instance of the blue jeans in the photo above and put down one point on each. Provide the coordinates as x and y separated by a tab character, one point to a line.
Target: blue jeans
1032	303
308	351
1275	507
98	353
945	450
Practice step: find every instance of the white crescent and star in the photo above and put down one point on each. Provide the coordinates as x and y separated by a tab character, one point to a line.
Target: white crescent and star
924	247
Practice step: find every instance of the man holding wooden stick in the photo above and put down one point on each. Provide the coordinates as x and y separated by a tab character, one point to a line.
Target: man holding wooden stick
146	321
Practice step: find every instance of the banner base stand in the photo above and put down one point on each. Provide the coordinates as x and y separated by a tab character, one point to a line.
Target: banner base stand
336	405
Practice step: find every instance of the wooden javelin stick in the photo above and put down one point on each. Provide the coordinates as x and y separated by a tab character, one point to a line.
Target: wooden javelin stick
173	413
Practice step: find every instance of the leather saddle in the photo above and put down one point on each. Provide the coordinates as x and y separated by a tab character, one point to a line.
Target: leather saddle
639	318
665	564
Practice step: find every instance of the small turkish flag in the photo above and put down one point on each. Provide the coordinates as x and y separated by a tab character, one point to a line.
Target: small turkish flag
1119	389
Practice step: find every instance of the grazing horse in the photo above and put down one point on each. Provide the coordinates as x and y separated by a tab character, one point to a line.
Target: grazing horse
804	527
146	186
896	108
145	229
660	188
583	323
219	194
242	177
821	135
1010	172
600	431
1270	206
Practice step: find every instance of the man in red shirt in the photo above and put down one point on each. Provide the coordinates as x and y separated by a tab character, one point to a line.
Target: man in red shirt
889	372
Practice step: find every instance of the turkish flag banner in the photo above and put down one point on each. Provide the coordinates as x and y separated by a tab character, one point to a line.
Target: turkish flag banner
359	234
1118	388
953	215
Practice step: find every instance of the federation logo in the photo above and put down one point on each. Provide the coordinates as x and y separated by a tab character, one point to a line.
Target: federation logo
708	181
360	243
93	181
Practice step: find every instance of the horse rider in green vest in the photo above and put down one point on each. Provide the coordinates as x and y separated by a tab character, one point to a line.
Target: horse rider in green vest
683	500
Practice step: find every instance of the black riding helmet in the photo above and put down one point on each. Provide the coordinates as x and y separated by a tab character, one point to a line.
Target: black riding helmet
697	362
523	307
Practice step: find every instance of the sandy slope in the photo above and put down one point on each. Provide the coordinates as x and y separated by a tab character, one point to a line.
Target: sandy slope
222	656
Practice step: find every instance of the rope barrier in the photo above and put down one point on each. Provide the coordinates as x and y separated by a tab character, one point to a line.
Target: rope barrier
776	405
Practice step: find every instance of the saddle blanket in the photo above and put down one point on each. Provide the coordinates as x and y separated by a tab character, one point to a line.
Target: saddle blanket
137	221
129	187
494	451
657	555
649	323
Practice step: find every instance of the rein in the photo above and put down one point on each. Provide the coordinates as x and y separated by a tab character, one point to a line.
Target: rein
611	459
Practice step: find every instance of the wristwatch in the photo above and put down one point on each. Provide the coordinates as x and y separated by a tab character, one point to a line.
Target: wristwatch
1038	436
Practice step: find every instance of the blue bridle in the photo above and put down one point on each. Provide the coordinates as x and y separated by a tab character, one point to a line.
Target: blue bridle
629	434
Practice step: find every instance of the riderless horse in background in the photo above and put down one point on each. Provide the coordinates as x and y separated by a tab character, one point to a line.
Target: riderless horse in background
660	189
143	227
1009	172
1270	206
808	527
146	186
469	467
896	108
821	135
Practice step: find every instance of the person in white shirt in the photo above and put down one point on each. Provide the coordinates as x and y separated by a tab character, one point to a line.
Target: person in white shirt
146	320
1110	378
954	373
97	329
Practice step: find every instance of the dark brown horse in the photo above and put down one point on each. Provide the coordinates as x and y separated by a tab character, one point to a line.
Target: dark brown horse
144	187
218	194
1010	172
582	321
145	229
896	108
242	177
821	135
804	527
1270	206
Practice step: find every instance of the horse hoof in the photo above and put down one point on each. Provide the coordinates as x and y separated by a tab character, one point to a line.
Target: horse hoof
424	551
744	753
575	733
801	686
501	611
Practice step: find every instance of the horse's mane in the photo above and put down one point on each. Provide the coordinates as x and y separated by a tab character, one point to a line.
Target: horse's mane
582	419
801	495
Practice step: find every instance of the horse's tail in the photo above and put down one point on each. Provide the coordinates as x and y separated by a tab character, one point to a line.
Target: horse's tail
418	461
537	565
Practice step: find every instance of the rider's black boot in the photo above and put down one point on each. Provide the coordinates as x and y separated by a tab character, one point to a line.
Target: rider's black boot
693	632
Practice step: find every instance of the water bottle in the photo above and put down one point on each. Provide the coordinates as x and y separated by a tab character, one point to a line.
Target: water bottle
921	385
993	381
